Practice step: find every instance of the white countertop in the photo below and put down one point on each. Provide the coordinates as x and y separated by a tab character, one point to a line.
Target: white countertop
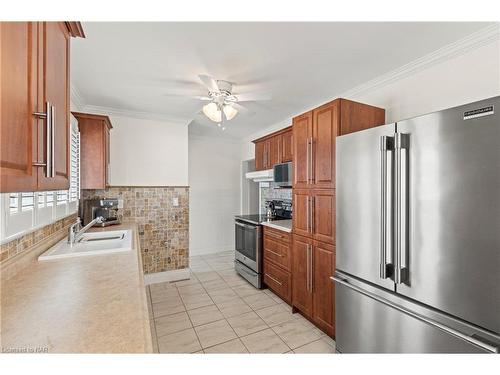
284	225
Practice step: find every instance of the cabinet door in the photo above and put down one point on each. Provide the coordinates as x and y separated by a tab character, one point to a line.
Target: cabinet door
18	127
323	287
323	211
259	156
54	81
325	129
302	249
274	147
302	210
286	147
302	134
107	155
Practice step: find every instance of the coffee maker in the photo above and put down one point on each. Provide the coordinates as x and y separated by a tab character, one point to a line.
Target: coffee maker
107	208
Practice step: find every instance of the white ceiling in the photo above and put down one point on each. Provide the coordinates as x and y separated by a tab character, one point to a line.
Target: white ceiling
141	66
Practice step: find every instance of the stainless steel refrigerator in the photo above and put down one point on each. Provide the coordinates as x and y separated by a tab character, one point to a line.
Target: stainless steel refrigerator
418	234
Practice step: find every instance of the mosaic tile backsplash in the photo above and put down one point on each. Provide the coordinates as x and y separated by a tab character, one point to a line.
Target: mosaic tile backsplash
28	241
163	227
267	193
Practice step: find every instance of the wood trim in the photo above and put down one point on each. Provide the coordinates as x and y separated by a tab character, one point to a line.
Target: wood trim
75	29
270	135
91	116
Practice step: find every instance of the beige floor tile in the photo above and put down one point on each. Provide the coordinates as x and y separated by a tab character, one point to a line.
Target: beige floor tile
168	307
164	294
234	281
222	295
296	334
264	342
273	296
200	269
172	323
259	301
180	342
193	280
227	273
158	287
207	276
215	333
204	315
222	266
194	301
215	285
276	314
233	307
315	347
246	290
247	323
191	289
329	341
230	347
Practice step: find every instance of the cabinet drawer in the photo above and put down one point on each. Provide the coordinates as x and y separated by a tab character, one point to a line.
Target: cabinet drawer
277	235
278	280
278	252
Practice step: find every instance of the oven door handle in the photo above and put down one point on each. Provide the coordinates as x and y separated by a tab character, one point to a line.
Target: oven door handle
246	226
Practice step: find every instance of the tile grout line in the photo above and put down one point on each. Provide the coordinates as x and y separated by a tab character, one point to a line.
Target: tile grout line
154	320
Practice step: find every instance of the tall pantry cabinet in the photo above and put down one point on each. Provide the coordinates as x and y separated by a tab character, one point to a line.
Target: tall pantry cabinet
313	228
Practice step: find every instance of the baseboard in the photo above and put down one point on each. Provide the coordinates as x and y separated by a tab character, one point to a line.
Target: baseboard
193	253
161	277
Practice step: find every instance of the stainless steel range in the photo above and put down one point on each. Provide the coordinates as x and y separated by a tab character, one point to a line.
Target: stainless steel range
248	240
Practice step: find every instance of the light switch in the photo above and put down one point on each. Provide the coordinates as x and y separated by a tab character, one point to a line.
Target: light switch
175	201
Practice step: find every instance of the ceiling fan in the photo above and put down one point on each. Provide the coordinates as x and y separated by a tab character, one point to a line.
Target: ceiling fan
223	104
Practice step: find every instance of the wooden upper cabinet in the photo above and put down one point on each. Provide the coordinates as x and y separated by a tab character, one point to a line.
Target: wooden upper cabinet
273	149
259	155
302	137
94	149
325	129
34	73
18	126
323	311
286	149
54	47
358	116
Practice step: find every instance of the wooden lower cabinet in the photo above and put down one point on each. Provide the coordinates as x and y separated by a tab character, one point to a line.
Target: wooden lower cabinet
313	263
278	262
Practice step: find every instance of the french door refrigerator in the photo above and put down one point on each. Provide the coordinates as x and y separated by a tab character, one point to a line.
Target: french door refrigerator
418	234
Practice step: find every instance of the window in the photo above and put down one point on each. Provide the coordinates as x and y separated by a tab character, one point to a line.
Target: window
24	212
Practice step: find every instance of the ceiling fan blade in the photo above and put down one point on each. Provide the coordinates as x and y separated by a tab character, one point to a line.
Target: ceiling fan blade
209	82
252	97
240	108
204	98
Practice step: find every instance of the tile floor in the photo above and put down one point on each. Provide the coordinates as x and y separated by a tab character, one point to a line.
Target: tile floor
217	311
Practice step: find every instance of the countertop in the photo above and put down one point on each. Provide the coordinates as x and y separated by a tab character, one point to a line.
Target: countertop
284	225
89	304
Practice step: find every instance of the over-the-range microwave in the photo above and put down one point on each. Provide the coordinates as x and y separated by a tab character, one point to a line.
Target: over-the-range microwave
283	174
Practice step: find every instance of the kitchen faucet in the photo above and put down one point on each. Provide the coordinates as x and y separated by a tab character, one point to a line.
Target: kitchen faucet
76	231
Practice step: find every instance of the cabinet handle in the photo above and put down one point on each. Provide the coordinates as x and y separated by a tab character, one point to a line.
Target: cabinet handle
312	161
270	234
53	143
308	214
47	115
273	279
274	252
307	161
313	212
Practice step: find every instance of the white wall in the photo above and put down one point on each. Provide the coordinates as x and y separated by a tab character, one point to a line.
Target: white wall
148	152
464	78
214	179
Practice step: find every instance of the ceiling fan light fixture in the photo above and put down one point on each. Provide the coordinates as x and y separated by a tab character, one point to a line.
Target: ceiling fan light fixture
229	111
211	110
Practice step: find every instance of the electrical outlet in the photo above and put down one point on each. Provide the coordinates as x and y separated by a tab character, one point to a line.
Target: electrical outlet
175	202
120	203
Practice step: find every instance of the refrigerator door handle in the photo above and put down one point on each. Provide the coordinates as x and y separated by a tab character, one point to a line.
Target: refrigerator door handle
386	267
401	240
472	339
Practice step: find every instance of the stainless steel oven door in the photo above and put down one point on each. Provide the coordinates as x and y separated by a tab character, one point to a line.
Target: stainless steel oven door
248	244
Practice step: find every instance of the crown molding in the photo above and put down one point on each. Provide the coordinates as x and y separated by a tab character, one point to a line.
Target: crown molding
460	47
76	97
111	111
